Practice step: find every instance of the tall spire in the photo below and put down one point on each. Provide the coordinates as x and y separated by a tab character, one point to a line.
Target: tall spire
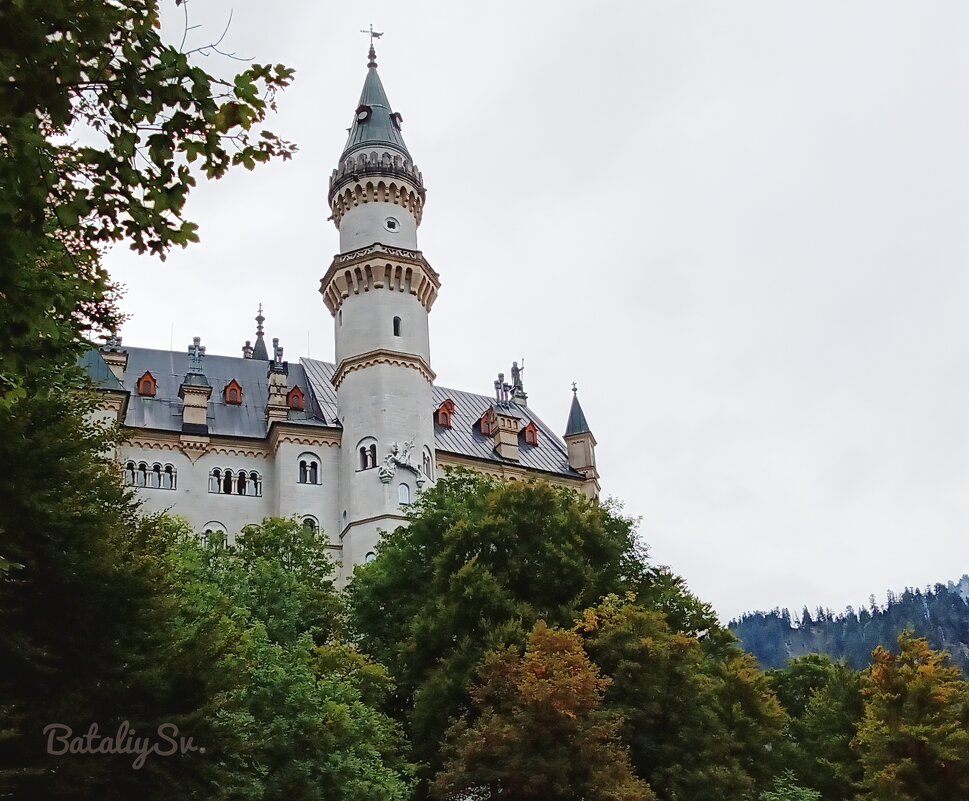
375	124
577	423
259	349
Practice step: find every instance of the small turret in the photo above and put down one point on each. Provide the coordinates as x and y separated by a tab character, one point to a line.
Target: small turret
582	446
259	349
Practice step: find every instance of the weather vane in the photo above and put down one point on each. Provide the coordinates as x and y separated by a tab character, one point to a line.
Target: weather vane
372	33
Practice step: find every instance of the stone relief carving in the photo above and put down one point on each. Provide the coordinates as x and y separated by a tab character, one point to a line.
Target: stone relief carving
399	455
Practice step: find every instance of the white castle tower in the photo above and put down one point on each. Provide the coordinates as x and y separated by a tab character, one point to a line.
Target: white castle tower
379	289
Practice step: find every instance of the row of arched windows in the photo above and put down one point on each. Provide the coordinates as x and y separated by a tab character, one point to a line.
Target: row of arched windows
249	482
239	482
156	476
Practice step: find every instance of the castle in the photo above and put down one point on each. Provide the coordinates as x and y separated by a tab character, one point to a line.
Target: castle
344	446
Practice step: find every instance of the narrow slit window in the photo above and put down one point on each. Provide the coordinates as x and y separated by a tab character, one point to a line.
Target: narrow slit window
397	326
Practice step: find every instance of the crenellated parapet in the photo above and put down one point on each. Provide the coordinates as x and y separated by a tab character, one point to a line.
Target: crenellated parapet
376	177
378	268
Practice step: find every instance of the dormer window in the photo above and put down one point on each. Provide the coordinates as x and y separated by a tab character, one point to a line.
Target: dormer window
296	400
233	393
531	434
445	413
147	385
487	427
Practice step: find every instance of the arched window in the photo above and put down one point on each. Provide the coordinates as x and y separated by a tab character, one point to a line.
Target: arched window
397	326
215	480
147	385
129	474
367	452
296	400
309	468
427	463
214	534
403	494
255	484
233	393
242	483
445	412
168	479
227	482
141	476
369	557
154	480
310	523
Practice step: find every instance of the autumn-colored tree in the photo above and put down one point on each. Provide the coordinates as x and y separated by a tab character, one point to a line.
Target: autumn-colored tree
914	737
537	730
700	721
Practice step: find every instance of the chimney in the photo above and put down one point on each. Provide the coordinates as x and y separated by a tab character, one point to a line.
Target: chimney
276	406
114	356
195	392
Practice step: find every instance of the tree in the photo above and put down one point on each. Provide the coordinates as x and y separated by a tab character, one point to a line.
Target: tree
103	128
308	707
478	565
700	721
90	624
539	730
785	788
914	737
824	732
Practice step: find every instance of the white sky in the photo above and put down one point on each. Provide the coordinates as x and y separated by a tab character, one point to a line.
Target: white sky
740	227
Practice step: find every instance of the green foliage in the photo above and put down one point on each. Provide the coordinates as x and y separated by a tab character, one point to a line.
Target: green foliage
479	564
103	129
539	730
90	628
914	736
825	703
700	721
785	788
306	707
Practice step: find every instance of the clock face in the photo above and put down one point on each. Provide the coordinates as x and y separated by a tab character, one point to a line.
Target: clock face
362	115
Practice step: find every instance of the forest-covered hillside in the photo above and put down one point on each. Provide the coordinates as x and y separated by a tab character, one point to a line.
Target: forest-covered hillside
939	613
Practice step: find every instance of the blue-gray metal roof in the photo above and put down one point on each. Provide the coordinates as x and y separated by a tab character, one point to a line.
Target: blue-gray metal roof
379	128
164	411
577	423
464	438
99	372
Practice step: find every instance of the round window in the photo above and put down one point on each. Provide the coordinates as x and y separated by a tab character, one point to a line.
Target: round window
392	224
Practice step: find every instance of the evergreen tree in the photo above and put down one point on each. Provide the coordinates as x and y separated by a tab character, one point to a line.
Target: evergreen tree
914	737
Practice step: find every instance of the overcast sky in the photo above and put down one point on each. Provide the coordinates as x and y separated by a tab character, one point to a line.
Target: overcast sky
740	227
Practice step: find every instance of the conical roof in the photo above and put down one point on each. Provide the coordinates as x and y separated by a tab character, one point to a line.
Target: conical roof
577	423
374	125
